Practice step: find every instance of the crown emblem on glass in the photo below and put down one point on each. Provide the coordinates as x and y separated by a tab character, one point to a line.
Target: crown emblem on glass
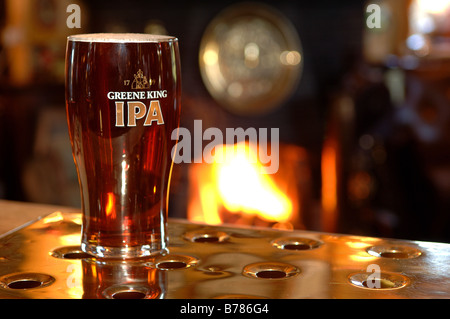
140	81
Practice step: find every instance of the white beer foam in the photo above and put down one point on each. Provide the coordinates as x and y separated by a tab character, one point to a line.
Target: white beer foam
120	37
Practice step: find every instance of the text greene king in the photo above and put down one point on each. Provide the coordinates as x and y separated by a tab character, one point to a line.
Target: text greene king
136	109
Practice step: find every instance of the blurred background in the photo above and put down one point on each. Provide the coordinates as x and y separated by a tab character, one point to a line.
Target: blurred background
359	93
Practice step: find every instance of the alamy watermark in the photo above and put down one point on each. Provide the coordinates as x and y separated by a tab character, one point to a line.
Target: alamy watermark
190	147
374	279
373	20
74	18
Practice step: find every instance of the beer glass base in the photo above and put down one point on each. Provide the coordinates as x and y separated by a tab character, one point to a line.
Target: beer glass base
123	252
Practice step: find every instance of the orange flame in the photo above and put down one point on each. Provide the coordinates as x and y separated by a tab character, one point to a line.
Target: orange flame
329	188
237	184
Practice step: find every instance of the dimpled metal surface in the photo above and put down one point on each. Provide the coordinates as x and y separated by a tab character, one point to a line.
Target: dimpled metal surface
43	260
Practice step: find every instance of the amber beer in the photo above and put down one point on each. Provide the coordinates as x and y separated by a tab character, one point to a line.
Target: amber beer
123	102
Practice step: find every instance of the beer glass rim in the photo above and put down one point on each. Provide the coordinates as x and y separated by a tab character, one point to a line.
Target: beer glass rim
121	38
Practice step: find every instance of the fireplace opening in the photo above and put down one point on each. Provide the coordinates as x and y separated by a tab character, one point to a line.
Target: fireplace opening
236	190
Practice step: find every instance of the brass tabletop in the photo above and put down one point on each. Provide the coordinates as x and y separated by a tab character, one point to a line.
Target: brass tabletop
42	259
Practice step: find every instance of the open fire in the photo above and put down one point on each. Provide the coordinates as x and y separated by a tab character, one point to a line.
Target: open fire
236	191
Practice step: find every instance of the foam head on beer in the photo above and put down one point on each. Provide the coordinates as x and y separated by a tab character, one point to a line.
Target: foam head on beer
119	37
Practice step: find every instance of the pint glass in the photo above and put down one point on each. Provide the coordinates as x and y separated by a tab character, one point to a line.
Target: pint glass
123	103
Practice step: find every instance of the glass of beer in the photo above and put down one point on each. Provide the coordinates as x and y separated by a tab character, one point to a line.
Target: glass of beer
123	103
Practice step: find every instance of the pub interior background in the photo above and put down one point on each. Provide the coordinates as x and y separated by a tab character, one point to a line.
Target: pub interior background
363	127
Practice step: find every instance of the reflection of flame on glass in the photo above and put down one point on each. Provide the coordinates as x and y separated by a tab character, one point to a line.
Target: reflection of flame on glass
237	186
110	206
